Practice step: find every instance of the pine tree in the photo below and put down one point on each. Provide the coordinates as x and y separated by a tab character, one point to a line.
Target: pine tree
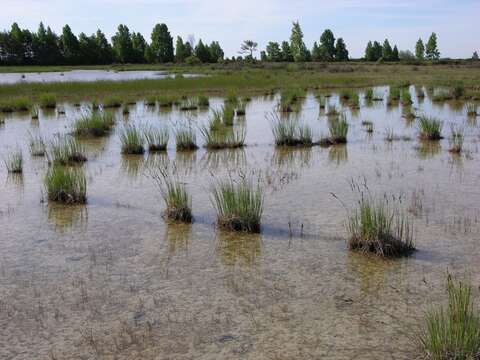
387	51
341	52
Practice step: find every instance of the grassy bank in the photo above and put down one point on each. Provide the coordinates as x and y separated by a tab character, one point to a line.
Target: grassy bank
220	79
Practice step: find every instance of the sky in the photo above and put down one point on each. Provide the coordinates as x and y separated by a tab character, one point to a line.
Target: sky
231	22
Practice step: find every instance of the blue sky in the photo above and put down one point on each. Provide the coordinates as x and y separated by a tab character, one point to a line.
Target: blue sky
230	22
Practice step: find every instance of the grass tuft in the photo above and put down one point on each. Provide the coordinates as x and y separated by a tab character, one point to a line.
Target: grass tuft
95	124
66	185
48	101
131	138
112	102
378	227
430	128
239	205
156	139
185	139
456	139
177	200
453	332
14	162
65	151
37	145
288	132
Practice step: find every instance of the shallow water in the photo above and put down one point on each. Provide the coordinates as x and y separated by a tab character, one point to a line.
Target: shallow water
83	76
113	280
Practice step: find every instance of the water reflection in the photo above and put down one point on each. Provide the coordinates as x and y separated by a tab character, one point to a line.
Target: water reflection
16	180
224	159
132	165
178	237
338	154
428	149
67	217
186	161
292	158
239	249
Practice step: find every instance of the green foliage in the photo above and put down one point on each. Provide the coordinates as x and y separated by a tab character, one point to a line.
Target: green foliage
406	97
122	45
185	138
37	145
373	52
216	135
274	52
18	104
94	124
248	47
66	185
338	128
298	49
131	138
177	200
112	102
288	132
239	205
420	50
431	50
430	128
162	44
456	139
65	151
341	52
327	44
378	226
453	332
14	162
48	101
156	139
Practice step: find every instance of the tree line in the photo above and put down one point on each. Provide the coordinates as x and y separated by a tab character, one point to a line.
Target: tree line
44	47
377	52
327	49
